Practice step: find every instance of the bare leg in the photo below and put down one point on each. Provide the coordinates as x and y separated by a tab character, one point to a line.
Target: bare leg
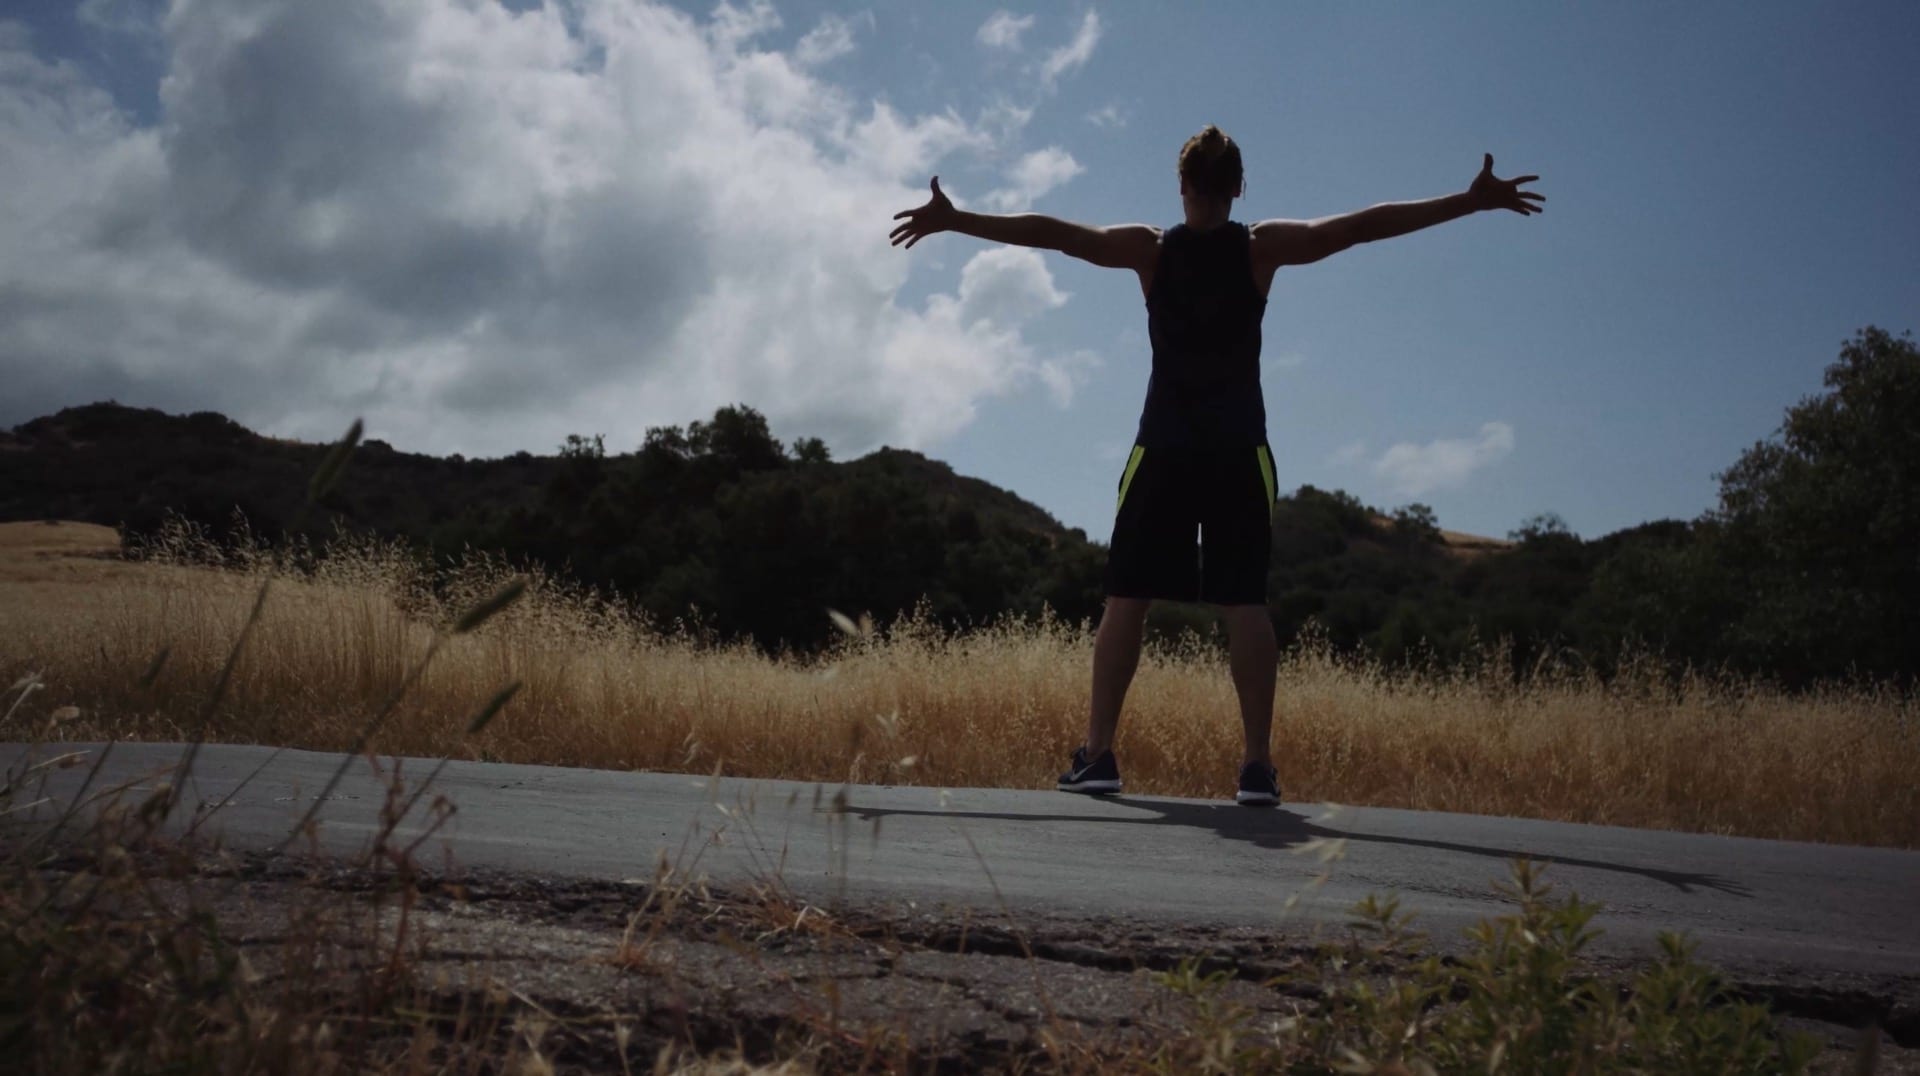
1254	656
1116	654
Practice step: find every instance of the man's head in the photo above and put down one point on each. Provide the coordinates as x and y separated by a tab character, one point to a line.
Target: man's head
1210	168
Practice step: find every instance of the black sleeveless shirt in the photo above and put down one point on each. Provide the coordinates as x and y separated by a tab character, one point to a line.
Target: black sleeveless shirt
1203	318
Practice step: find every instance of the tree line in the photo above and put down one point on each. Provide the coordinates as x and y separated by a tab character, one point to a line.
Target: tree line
1806	569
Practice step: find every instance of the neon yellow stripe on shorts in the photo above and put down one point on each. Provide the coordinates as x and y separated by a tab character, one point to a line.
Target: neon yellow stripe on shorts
1133	464
1266	473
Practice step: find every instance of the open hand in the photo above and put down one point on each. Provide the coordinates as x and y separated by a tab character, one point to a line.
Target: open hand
935	216
1491	192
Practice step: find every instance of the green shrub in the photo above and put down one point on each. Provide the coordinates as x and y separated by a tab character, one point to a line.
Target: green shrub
1520	999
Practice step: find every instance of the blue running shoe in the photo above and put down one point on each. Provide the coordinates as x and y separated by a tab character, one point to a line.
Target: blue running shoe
1259	786
1099	777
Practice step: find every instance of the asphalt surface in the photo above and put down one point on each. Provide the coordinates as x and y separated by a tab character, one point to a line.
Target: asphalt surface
1772	908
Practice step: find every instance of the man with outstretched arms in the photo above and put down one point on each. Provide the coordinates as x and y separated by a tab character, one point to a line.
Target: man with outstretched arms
1200	460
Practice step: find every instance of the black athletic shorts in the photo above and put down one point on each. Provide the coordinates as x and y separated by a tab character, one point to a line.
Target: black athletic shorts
1166	496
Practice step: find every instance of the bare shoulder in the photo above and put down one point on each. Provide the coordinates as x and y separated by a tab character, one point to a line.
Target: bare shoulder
1277	227
1139	237
1274	238
1142	243
1283	241
1116	246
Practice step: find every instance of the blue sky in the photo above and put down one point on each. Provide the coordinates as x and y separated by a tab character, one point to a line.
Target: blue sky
1729	197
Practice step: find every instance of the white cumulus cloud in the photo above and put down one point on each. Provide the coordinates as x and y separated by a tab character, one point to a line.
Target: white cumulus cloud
484	229
1003	29
1033	175
1007	286
1412	469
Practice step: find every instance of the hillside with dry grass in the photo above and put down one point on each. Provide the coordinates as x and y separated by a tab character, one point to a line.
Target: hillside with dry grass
718	525
911	702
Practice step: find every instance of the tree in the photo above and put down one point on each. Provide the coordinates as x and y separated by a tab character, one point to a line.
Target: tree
1659	588
811	450
583	447
1542	528
1822	521
738	439
666	442
1417	523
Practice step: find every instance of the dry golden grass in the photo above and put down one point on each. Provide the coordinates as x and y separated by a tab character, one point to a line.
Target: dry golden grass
1000	706
55	552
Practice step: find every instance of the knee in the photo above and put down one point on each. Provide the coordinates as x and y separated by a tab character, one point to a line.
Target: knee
1126	610
1252	621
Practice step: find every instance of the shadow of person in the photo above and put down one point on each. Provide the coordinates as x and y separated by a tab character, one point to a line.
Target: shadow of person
1282	830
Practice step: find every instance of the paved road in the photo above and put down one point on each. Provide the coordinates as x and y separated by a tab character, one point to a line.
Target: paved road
1768	907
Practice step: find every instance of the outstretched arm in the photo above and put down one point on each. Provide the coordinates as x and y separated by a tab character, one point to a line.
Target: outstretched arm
1297	242
1125	246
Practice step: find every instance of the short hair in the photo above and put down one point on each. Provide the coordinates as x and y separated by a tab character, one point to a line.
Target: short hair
1210	163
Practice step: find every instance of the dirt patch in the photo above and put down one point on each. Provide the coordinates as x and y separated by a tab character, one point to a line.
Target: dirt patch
57	538
51	551
757	971
608	968
1461	544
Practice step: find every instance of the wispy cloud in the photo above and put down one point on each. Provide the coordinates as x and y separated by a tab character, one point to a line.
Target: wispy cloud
1349	455
1107	117
1074	54
1064	375
1003	119
130	17
1002	30
1412	469
829	40
730	26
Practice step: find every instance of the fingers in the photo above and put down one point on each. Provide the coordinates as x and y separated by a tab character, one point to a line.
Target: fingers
1525	203
1518	202
911	231
919	208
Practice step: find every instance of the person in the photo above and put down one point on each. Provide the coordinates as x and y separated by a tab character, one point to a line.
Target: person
1200	460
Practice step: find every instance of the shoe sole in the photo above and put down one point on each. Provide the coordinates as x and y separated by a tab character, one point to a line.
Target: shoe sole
1256	799
1094	788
